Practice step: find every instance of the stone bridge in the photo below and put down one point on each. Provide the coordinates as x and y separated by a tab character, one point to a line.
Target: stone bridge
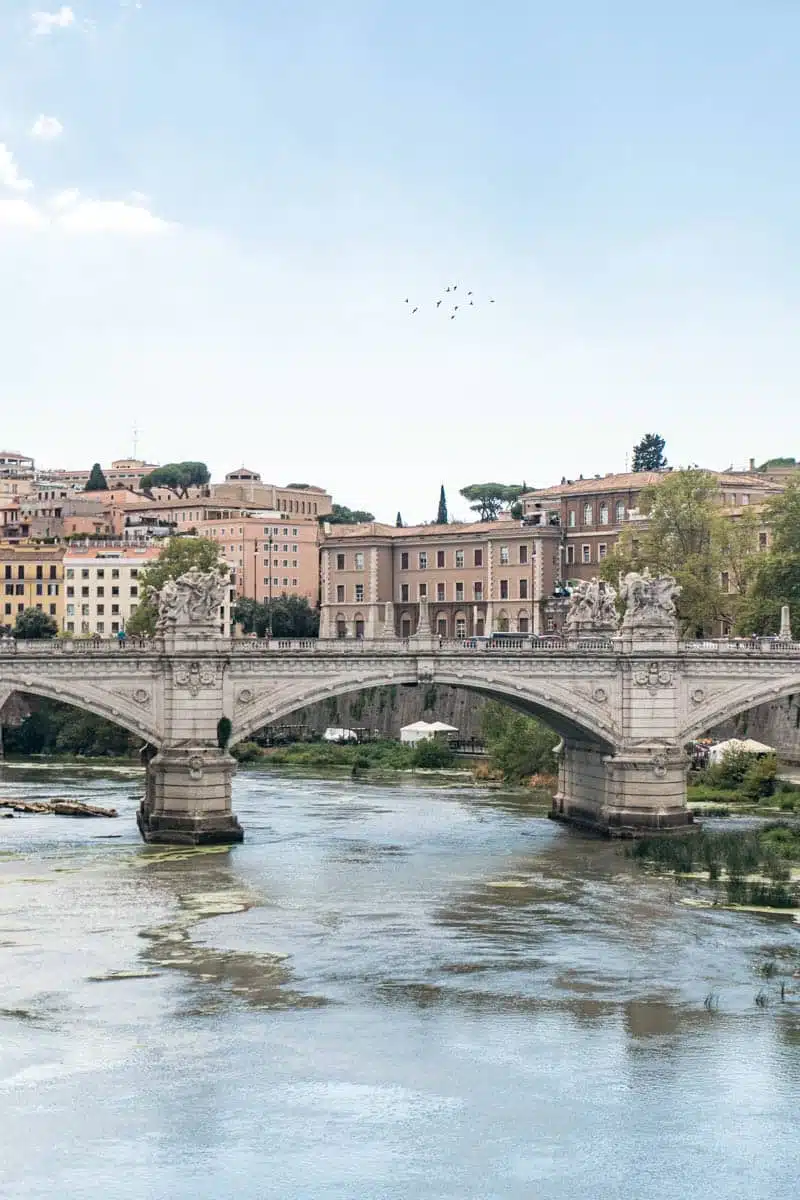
625	702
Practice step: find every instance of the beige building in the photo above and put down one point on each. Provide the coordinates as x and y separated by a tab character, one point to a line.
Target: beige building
15	466
245	487
102	588
32	577
123	473
477	579
261	546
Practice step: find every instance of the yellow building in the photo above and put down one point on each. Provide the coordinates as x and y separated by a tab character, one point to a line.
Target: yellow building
31	577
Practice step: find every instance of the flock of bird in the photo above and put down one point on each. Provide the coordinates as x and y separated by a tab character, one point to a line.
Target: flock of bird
448	300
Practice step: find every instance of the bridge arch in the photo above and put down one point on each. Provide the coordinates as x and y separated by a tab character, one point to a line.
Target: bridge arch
551	703
87	699
731	703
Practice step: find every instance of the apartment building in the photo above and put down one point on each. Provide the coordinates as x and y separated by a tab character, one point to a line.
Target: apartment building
591	513
15	466
102	588
123	473
244	486
270	554
477	579
31	577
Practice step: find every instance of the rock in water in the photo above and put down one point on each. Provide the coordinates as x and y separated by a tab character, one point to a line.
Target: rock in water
61	808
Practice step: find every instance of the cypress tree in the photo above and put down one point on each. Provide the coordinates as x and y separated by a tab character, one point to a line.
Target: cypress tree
399	521
97	480
441	516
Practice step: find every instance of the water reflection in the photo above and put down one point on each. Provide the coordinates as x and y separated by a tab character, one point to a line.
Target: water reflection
386	992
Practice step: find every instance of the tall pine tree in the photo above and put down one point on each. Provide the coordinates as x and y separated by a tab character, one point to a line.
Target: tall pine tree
399	521
441	516
97	480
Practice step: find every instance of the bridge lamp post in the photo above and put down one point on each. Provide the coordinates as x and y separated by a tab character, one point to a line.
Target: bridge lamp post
269	606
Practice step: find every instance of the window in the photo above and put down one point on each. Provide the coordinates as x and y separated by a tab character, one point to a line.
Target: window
423	560
459	558
101	573
115	591
294	533
70	591
40	589
85	573
725	581
359	593
423	591
8	572
588	516
84	591
441	626
745	498
52	589
53	573
20	572
70	626
404	561
404	591
286	583
477	558
359	560
461	627
40	572
84	610
70	609
762	541
570	555
340	593
477	589
101	608
440	591
523	555
522	623
586	553
115	626
504	556
440	558
101	591
339	562
134	572
286	551
603	514
619	512
459	591
294	549
571	518
115	572
523	589
9	589
602	550
134	590
115	610
503	589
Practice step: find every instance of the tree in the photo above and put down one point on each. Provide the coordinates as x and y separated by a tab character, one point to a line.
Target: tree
33	624
179	476
488	499
441	516
292	617
339	515
684	536
518	746
97	480
778	462
399	521
775	579
648	455
178	556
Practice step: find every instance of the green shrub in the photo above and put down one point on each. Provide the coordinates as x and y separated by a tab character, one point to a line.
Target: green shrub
224	728
730	771
759	778
246	752
432	753
518	746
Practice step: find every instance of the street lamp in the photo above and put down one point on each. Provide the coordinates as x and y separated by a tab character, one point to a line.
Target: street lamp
269	607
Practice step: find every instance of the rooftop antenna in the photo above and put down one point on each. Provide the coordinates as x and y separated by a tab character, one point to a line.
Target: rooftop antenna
626	462
135	441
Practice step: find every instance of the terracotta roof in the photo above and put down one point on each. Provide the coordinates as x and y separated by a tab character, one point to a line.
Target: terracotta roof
473	529
636	480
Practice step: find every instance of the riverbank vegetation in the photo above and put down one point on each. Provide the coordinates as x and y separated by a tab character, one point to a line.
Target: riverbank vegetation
756	867
60	729
519	747
366	756
743	779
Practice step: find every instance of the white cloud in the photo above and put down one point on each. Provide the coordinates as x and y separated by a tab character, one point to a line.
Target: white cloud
46	128
109	216
43	23
9	172
66	211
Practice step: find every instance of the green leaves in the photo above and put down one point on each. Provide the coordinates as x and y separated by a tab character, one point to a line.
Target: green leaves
648	454
33	624
178	556
489	499
178	476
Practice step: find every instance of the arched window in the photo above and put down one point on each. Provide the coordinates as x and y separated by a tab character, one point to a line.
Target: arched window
523	621
358	625
603	514
441	624
588	516
341	626
619	512
460	625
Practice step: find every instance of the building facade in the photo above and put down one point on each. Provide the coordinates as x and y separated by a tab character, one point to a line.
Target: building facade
102	588
269	553
32	577
476	579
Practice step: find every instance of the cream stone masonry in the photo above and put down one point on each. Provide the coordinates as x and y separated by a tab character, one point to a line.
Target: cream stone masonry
625	701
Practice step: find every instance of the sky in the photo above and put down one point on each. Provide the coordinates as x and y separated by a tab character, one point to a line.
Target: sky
211	217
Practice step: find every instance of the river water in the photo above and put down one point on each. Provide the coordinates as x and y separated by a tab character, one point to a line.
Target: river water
389	991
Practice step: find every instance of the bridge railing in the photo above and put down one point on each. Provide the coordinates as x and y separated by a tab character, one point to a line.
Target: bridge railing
741	647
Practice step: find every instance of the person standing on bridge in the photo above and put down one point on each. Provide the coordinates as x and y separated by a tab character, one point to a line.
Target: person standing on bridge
121	636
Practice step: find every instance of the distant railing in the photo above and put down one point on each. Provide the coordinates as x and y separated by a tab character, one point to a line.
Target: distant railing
332	647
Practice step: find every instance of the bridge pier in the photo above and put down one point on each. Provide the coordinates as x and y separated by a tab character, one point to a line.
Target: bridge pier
188	798
625	794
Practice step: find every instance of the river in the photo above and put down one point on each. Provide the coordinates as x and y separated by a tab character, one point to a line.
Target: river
388	991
